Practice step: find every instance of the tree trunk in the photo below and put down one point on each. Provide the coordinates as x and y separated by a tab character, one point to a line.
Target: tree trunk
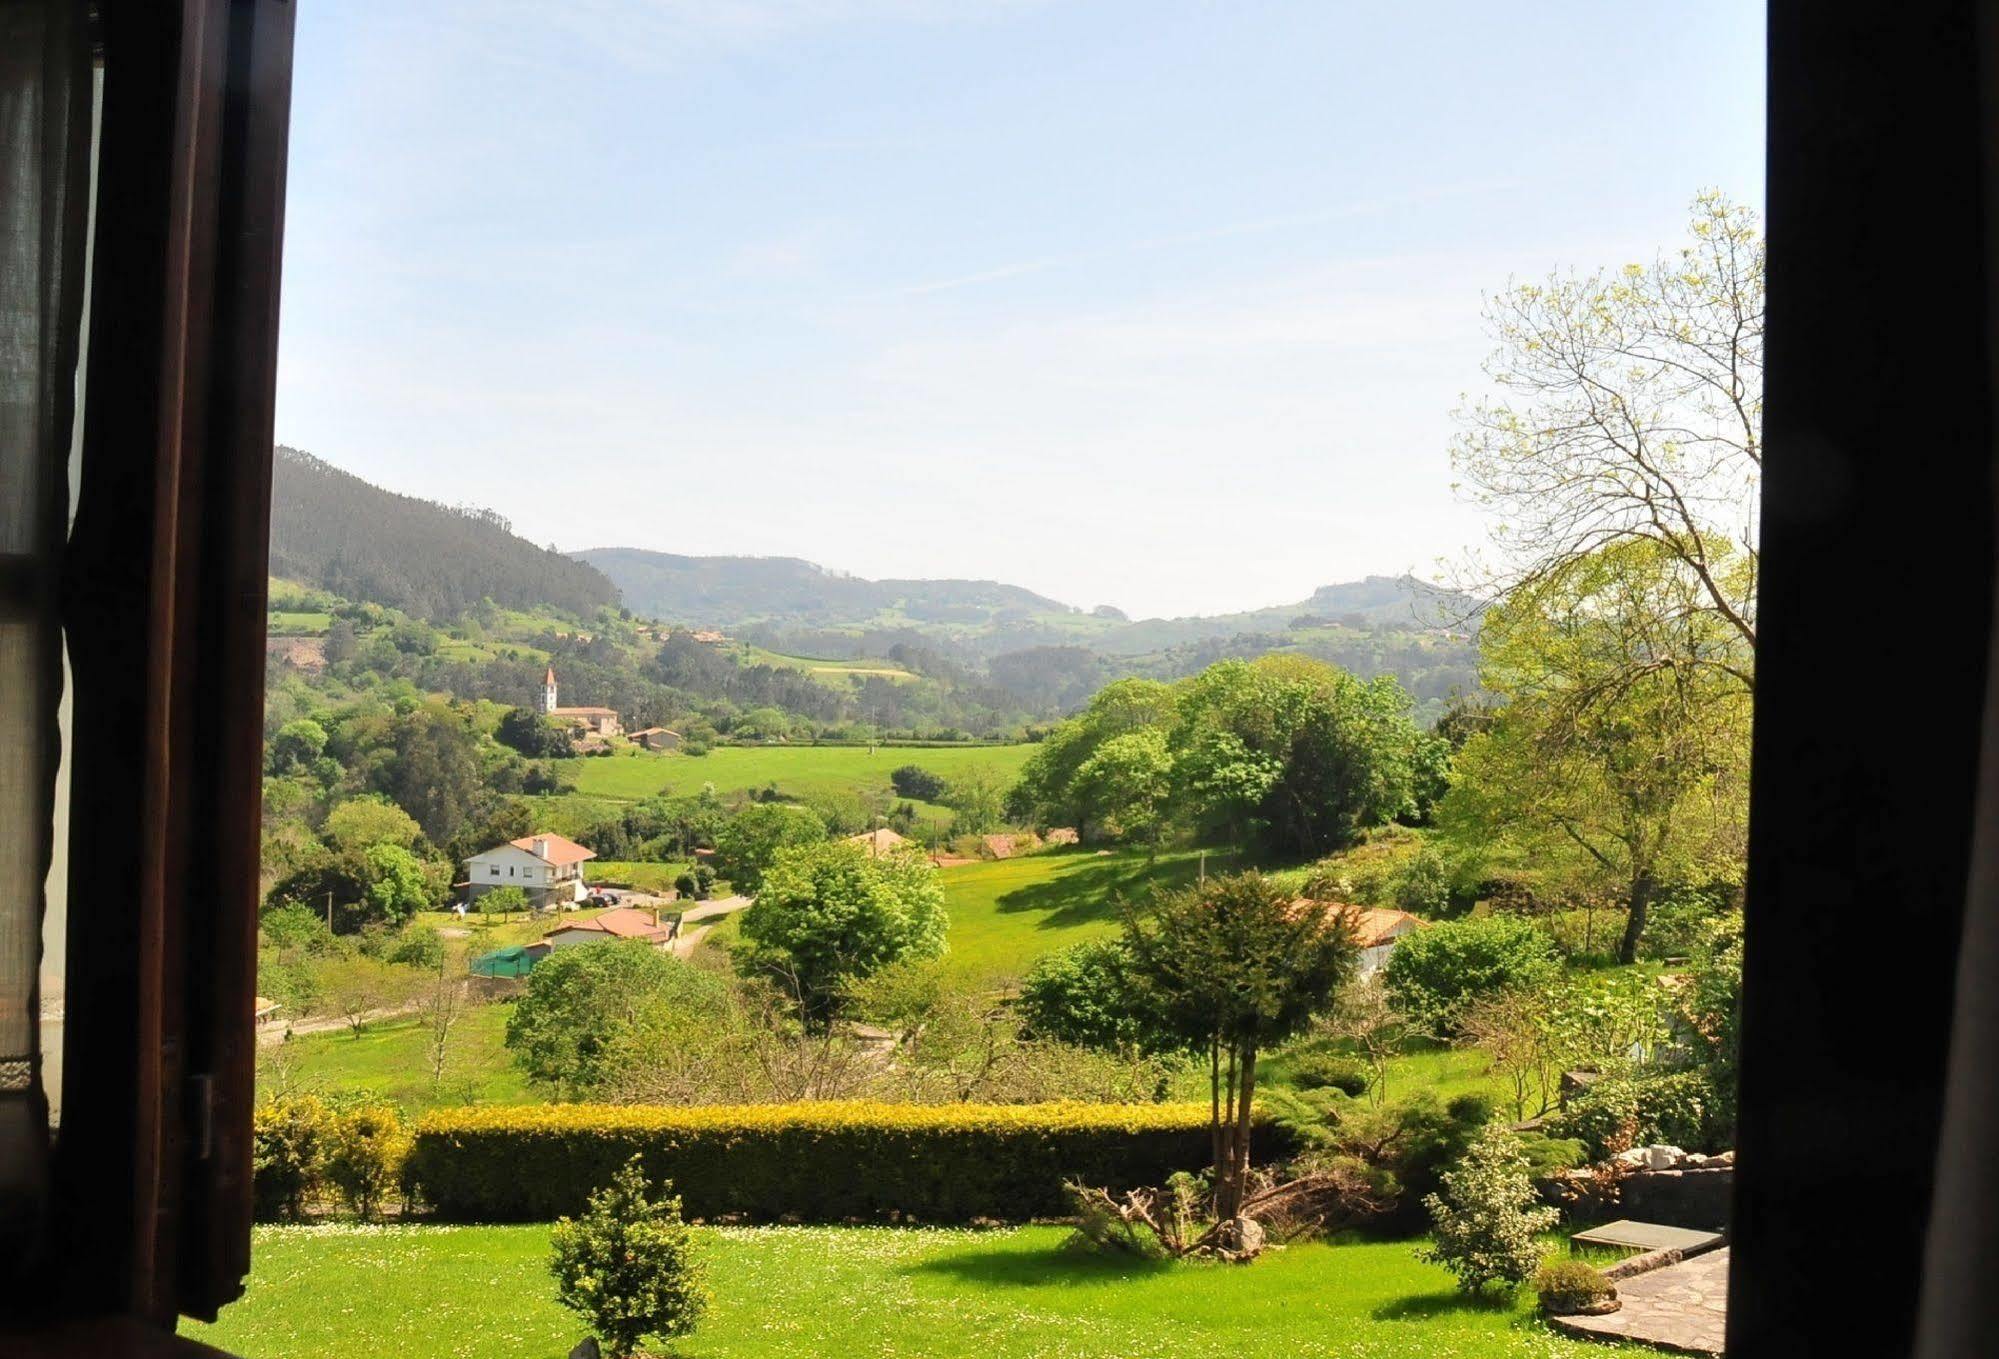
1232	1158
1642	888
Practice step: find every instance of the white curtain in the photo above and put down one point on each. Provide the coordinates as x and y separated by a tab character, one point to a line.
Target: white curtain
45	98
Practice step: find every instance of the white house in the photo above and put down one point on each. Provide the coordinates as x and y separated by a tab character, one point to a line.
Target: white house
1376	930
548	867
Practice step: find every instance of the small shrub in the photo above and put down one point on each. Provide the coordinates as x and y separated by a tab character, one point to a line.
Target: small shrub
365	1156
628	1265
1545	1155
289	1143
1485	1220
1567	1287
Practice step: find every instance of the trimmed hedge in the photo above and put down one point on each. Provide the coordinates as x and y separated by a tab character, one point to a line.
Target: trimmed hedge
827	1162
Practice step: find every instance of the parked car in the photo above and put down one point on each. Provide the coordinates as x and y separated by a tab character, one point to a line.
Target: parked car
604	896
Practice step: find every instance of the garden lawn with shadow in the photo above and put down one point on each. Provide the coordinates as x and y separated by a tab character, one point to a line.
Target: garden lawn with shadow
485	1293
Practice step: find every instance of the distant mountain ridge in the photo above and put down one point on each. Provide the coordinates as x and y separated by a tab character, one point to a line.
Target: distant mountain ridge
733	591
791	592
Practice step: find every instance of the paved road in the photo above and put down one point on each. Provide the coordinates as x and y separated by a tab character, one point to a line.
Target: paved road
703	917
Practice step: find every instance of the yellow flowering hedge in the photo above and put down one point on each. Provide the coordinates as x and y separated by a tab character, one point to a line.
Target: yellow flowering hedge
824	1162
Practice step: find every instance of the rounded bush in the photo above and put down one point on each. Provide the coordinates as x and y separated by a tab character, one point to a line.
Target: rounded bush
1321	1070
1567	1287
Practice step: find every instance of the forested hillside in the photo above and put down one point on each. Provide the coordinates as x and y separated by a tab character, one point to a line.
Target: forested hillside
333	530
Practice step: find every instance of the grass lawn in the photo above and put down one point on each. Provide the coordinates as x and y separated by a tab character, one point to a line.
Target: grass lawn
1007	913
643	877
485	1293
390	1061
794	769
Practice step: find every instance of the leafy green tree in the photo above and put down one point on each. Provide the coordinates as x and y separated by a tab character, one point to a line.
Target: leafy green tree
532	734
1234	969
1630	411
1620	762
1128	785
1293	751
297	744
829	914
502	902
435	773
1434	975
914	781
393	882
629	1266
976	796
1086	994
1047	791
748	842
357	824
579	1000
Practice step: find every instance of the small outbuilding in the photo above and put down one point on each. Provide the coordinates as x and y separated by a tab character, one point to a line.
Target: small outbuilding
879	843
657	738
621	922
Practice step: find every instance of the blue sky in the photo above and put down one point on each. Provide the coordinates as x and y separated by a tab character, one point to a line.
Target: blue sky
1157	304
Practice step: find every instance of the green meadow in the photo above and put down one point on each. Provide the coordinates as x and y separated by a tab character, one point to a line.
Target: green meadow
346	1292
798	770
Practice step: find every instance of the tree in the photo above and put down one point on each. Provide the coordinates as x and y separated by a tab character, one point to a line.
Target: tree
1233	969
1293	751
502	902
358	989
393	882
1047	791
532	734
578	1001
441	1006
1630	410
1435	975
976	795
1487	1217
362	822
629	1265
1620	762
830	914
435	774
747	842
1128	784
1086	994
914	781
297	744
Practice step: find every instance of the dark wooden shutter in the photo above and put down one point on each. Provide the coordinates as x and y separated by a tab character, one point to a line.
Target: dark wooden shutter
164	602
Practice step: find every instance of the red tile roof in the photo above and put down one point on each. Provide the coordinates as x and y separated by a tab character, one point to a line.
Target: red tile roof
621	922
1371	925
556	849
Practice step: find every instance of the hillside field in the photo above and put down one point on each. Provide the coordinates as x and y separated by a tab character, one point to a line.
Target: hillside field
1006	914
797	770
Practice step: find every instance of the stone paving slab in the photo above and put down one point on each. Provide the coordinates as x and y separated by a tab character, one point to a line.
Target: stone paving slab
1682	1307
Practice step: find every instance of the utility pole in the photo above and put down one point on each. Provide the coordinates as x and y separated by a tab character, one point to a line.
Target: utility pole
329	911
